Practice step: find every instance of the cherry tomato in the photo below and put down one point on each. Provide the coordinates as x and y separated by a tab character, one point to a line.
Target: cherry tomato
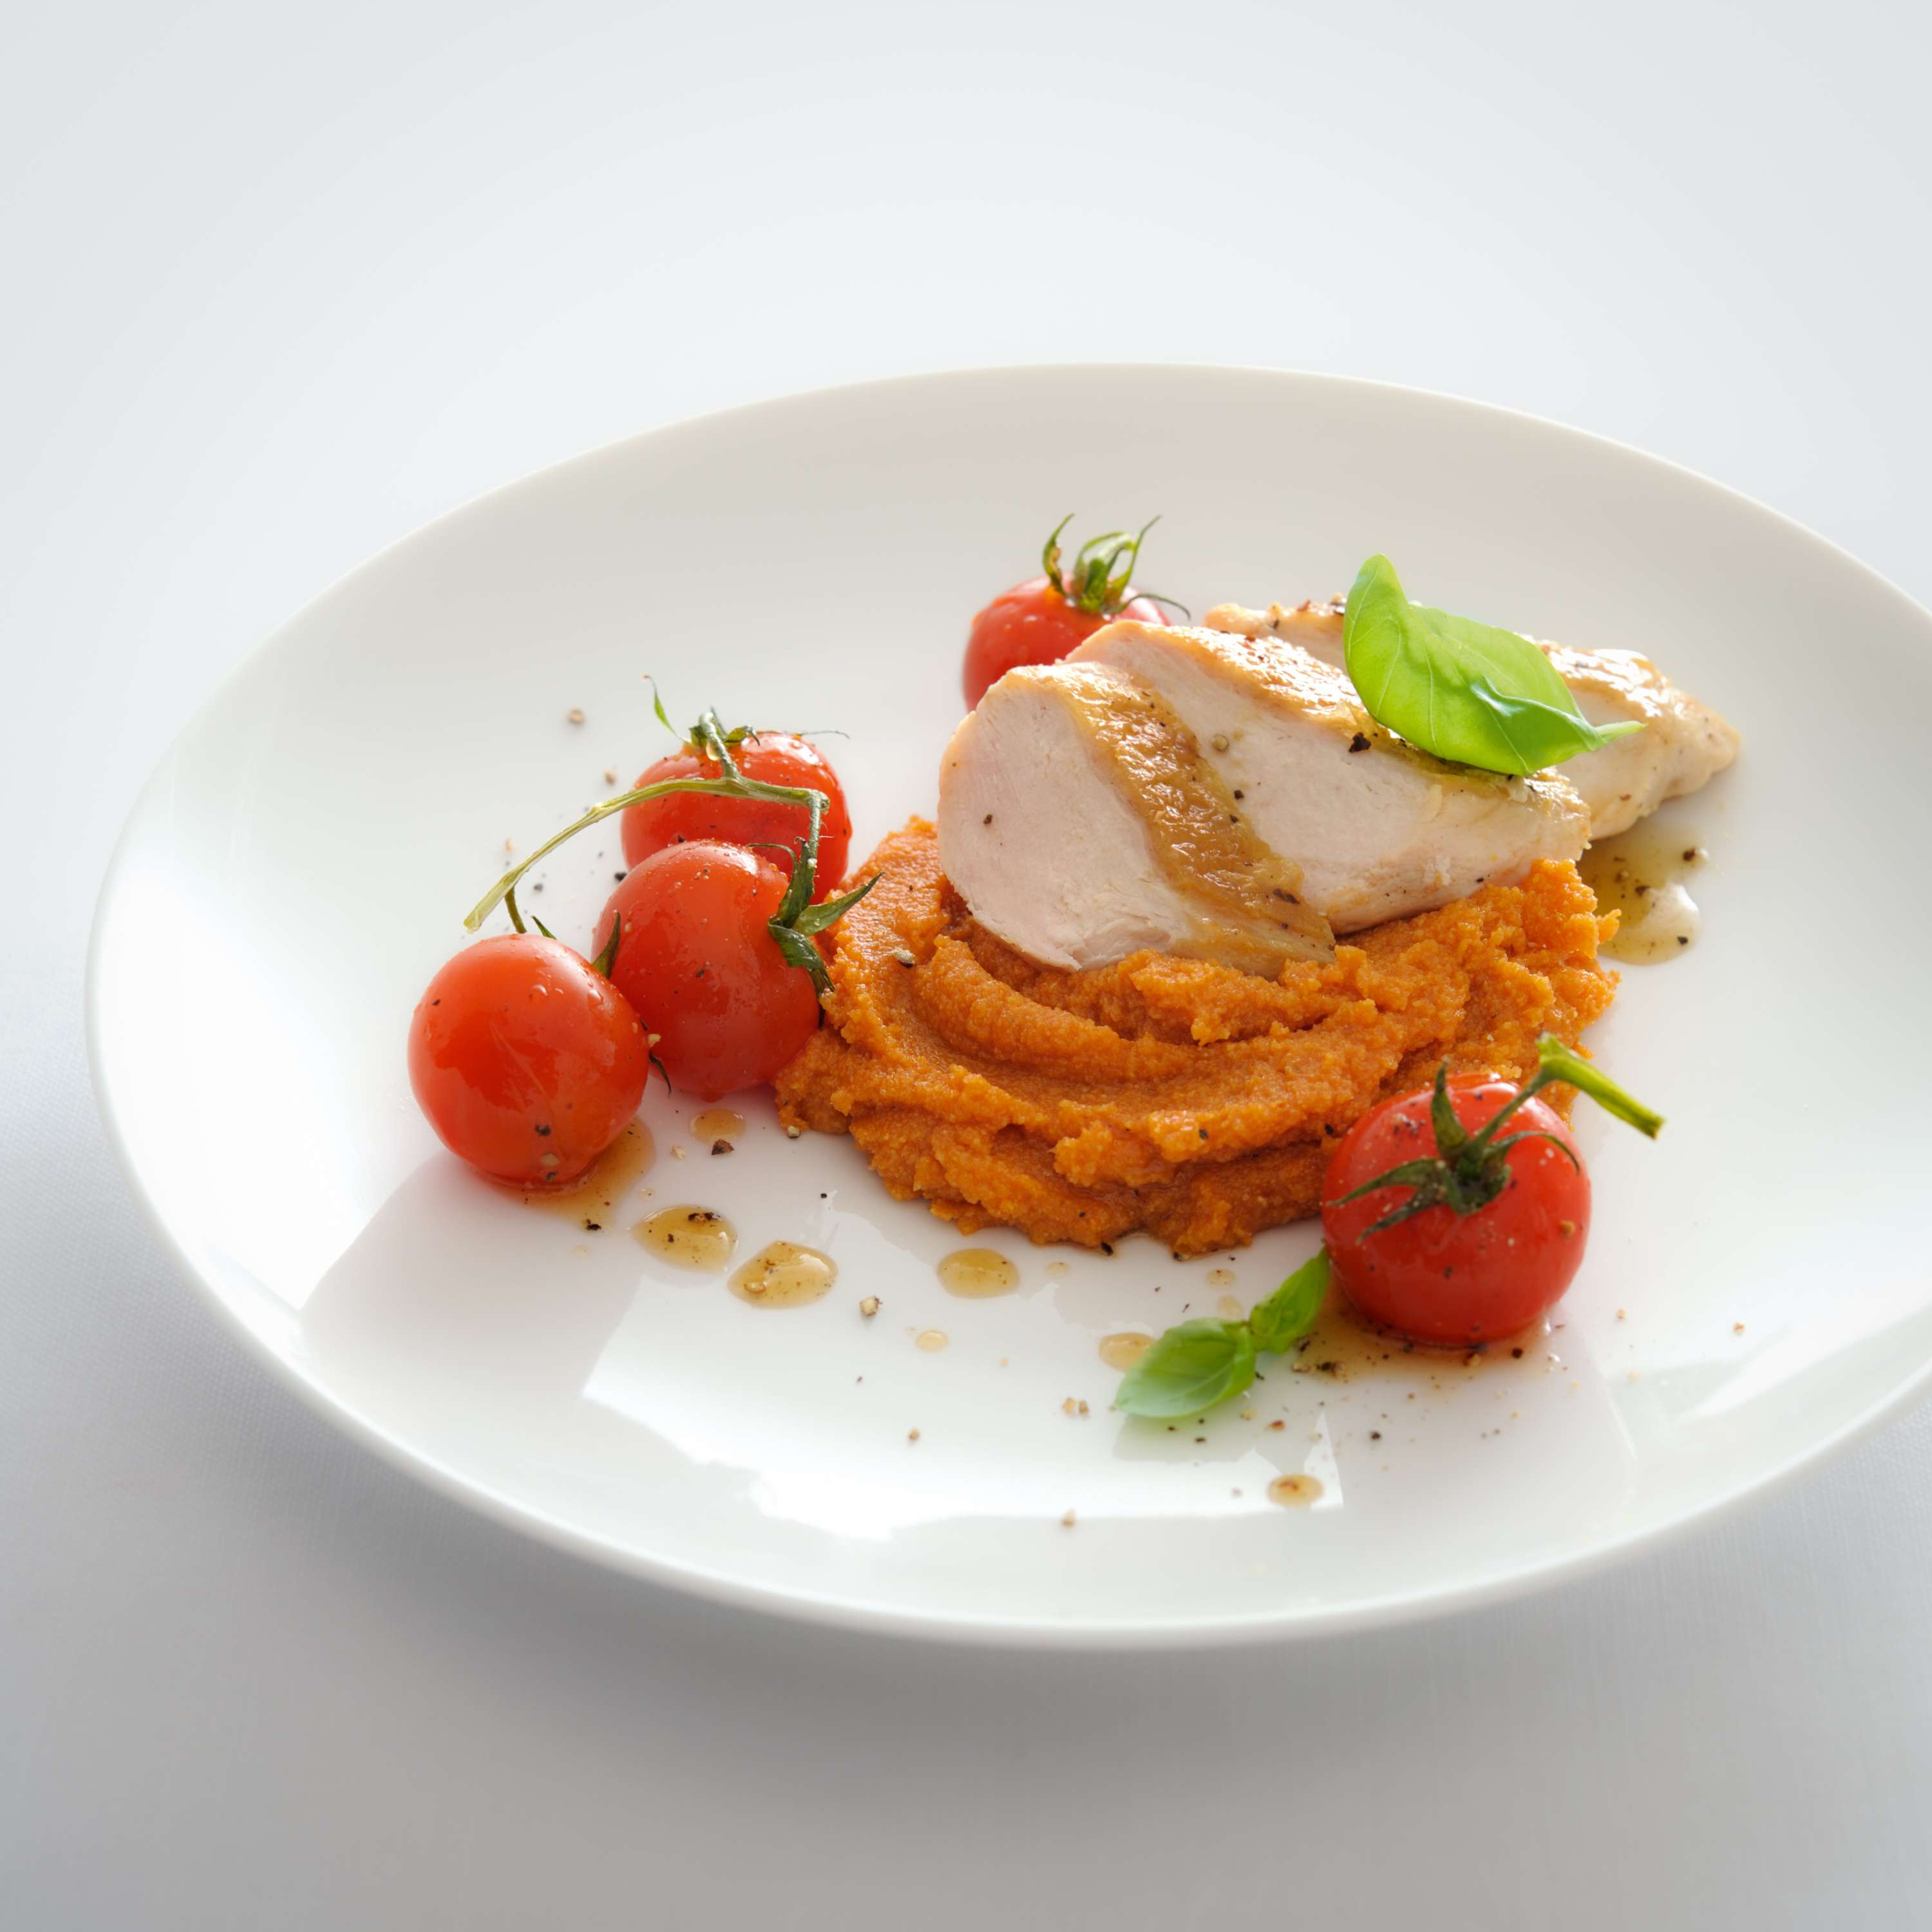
527	1061
1033	623
1442	1277
773	757
698	962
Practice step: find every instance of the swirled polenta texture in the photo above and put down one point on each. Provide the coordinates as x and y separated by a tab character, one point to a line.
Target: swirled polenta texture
1190	1100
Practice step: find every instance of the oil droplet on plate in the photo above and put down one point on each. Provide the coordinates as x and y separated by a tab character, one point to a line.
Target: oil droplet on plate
1058	1270
1220	1277
1229	1308
1344	1346
930	1339
785	1275
1293	1492
1639	875
716	1124
1122	1350
975	1273
697	1238
607	1179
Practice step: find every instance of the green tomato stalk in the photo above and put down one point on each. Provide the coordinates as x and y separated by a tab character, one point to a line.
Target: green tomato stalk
797	921
1467	1170
1102	572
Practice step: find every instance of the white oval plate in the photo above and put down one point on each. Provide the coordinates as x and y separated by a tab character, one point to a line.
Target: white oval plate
1755	1291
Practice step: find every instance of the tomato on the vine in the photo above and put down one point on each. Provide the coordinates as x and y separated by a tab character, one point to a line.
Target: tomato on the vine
707	950
1040	621
698	961
1033	623
1449	1278
1458	1215
527	1061
771	758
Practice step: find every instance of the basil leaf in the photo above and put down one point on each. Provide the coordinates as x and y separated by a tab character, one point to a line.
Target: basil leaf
1469	692
1190	1368
1287	1315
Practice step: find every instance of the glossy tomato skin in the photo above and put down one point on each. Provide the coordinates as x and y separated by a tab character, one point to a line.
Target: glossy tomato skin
700	965
1032	624
773	758
527	1060
1439	1277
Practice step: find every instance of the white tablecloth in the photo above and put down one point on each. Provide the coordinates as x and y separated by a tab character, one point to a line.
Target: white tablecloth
281	282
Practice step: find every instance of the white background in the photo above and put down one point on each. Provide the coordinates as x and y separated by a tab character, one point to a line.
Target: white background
277	284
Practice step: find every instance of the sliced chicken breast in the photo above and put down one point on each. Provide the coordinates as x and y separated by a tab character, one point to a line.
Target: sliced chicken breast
1217	797
1377	828
1080	821
1685	743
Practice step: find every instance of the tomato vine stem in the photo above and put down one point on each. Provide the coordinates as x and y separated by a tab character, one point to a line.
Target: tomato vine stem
797	920
1467	1170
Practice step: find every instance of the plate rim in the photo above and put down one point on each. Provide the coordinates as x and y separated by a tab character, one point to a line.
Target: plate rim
857	1613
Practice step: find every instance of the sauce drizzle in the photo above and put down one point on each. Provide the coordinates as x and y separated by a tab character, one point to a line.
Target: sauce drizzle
785	1275
697	1238
1293	1492
1122	1350
595	1193
1640	875
975	1273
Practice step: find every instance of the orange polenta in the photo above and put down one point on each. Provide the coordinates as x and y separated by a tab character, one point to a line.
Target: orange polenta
1192	1099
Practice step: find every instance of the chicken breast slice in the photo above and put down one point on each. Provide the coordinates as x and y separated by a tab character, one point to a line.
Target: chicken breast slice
1685	743
1217	797
1081	822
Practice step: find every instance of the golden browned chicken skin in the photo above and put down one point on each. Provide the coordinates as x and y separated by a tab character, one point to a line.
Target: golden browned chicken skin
1684	745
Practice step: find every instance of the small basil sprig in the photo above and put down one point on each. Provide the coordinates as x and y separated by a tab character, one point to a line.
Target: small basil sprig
1195	1364
1469	692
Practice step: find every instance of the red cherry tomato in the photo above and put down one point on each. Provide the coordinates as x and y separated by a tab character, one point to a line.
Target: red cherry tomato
527	1061
1442	1277
1034	624
698	962
773	758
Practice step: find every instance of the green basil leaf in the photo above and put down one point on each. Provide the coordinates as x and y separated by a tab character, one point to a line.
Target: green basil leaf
1189	1368
1287	1315
1469	692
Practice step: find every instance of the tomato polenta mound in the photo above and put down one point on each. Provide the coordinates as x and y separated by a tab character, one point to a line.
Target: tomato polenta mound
1191	1100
